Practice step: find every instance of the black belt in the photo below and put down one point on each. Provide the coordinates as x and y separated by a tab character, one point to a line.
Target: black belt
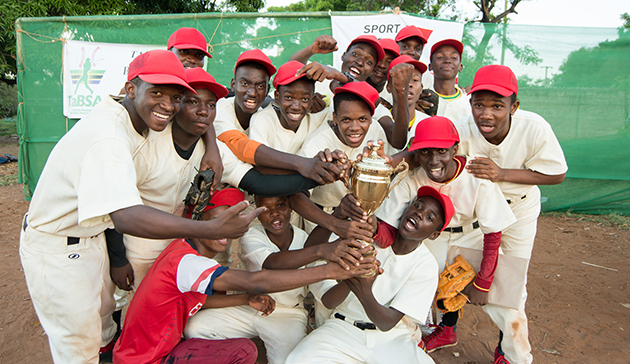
71	239
360	324
460	229
512	201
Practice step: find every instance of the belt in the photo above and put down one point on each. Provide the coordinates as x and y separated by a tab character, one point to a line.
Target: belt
71	239
514	201
360	324
460	229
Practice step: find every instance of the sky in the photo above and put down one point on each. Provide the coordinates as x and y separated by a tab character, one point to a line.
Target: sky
579	13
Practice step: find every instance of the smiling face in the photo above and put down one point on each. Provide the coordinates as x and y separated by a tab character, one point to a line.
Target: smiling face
446	62
352	120
197	112
154	105
190	58
438	162
422	219
214	246
277	216
492	113
295	100
359	60
412	47
380	70
250	85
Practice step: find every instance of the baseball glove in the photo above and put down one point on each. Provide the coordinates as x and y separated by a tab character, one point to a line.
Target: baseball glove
453	280
199	193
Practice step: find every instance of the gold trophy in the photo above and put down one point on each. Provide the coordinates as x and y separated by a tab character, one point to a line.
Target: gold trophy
370	182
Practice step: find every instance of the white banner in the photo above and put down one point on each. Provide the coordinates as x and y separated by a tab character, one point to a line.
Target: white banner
92	71
346	28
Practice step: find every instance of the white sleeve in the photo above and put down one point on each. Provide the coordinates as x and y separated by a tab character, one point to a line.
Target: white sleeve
255	249
259	128
105	185
548	157
196	273
380	112
234	169
395	205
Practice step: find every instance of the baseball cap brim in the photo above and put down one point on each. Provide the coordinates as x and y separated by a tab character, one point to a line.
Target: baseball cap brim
193	46
406	59
494	88
373	41
360	89
219	90
445	201
164	79
459	46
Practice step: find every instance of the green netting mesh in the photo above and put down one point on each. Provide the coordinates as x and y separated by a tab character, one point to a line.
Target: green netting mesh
578	79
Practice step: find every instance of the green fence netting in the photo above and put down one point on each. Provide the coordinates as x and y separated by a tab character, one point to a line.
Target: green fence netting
577	78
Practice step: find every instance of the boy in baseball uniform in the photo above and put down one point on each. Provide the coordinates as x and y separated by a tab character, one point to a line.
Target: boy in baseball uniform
286	123
190	46
368	325
358	62
349	132
88	184
275	244
177	286
405	83
481	212
168	162
518	150
250	85
446	63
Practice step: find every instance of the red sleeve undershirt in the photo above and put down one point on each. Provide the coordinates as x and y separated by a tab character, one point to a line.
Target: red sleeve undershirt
385	236
485	276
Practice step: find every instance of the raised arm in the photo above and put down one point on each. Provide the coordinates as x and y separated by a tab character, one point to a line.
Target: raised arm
212	157
399	77
322	45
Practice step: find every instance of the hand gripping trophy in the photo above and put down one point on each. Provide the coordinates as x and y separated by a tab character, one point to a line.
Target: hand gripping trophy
371	180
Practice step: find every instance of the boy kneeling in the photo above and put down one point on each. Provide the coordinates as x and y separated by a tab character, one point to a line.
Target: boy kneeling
367	323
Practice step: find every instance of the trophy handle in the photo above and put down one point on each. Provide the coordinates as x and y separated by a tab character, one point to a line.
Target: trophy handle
346	177
401	172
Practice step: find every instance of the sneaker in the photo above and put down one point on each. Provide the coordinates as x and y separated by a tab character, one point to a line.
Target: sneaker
442	337
499	357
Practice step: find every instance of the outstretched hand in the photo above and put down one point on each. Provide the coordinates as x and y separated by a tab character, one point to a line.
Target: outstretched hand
345	252
234	222
262	303
485	168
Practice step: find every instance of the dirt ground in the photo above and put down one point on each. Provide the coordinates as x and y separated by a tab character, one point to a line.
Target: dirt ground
578	313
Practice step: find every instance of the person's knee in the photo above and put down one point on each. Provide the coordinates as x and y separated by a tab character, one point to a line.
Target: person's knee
248	352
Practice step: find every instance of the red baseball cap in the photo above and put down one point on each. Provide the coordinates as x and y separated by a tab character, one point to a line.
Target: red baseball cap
459	46
371	40
389	44
158	67
362	89
200	79
413	31
406	59
445	201
188	38
286	73
225	197
495	78
256	55
434	132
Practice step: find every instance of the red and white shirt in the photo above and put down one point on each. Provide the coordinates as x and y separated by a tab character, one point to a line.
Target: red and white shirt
175	288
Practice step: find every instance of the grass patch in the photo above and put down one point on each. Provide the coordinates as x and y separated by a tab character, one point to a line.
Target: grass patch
613	219
11	179
8	126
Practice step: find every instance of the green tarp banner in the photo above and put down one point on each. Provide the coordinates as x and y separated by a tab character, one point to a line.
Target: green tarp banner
578	79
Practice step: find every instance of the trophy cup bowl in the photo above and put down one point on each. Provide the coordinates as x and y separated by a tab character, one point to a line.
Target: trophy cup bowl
370	182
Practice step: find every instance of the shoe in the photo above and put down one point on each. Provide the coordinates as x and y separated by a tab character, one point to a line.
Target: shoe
499	357
442	337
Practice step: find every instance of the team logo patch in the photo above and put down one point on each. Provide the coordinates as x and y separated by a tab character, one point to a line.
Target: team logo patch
74	256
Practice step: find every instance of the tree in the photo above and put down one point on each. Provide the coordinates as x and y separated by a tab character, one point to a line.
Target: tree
11	10
626	20
434	8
